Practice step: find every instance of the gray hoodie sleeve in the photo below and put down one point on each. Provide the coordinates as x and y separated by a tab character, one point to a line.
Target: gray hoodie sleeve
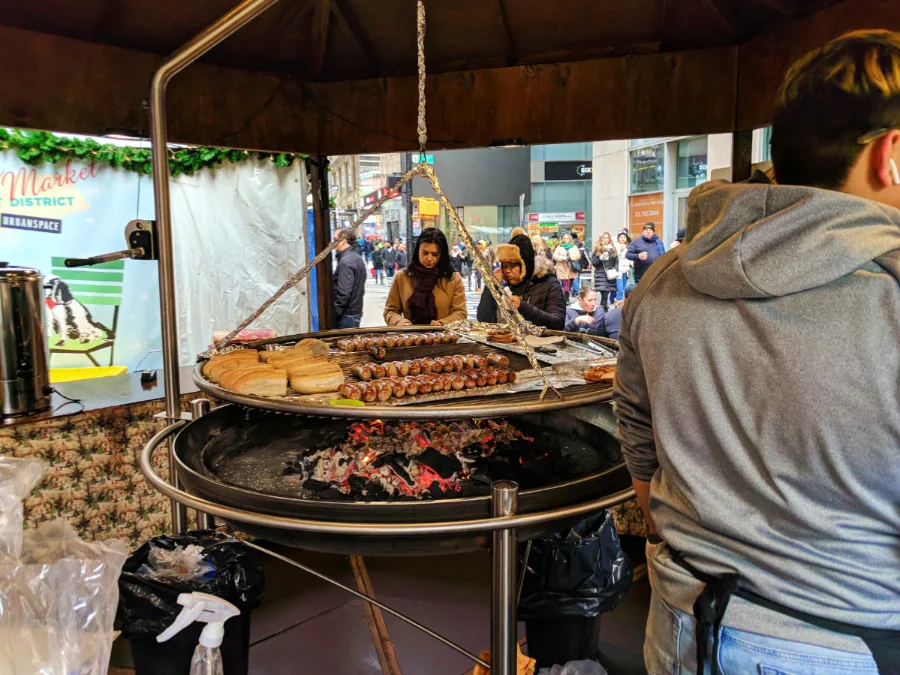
632	404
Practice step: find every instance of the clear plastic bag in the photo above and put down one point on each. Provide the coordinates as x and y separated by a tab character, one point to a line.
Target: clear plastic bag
183	563
58	594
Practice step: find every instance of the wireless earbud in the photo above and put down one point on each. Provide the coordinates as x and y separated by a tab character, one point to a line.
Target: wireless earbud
895	174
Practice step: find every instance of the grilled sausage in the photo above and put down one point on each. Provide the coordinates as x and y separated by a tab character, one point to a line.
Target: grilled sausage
510	376
402	368
411	385
479	361
493	359
377	370
429	338
369	393
397	386
454	337
351	391
501	376
365	372
424	384
480	378
470	360
390	369
471	383
415	367
385	390
457	381
356	370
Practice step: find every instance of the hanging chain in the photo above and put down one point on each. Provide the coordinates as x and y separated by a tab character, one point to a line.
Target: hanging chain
420	50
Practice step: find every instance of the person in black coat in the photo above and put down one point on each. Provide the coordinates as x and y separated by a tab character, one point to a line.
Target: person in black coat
349	281
378	265
604	258
613	320
536	292
388	259
585	316
402	260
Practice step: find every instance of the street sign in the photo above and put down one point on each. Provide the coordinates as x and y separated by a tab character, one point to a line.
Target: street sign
417	158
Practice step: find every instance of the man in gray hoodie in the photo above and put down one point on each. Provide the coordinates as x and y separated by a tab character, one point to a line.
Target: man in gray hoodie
758	393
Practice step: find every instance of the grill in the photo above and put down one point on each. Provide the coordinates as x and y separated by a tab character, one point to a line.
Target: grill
235	457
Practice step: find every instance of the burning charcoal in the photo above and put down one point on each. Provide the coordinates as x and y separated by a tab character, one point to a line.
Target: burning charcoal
472	450
482	478
333	494
356	482
444	465
435	490
393	462
314	485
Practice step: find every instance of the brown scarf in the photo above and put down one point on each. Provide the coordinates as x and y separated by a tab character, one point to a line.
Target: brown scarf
421	305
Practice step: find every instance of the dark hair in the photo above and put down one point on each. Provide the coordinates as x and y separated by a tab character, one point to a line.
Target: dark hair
432	235
831	98
526	251
627	236
345	234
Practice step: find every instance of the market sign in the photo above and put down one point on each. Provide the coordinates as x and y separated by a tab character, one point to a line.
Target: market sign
559	217
647	208
579	170
373	197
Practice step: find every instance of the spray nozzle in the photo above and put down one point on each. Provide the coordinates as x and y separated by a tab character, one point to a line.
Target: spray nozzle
204	608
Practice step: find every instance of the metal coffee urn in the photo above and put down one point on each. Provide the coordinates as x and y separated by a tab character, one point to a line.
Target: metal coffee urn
24	378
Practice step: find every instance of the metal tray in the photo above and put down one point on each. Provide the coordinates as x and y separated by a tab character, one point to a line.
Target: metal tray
498	405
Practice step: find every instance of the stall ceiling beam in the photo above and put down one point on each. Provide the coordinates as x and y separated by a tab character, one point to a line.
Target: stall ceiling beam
79	87
627	97
347	16
785	7
321	25
765	60
511	50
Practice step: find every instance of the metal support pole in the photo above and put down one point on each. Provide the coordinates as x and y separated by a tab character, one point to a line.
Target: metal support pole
504	502
159	138
741	155
318	182
199	407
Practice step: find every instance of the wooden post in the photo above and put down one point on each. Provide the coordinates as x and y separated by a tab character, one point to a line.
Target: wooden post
318	165
741	155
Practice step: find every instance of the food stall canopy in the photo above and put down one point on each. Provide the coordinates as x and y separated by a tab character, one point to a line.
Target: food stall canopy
337	76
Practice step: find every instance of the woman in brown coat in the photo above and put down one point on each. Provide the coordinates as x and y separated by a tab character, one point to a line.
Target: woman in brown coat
428	291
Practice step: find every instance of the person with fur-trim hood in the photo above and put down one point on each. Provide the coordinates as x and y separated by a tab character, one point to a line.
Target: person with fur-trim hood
536	292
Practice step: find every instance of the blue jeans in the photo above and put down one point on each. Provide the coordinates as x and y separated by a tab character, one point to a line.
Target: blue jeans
621	283
349	321
670	649
576	284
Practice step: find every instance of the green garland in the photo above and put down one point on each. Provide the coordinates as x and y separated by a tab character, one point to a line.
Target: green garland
37	147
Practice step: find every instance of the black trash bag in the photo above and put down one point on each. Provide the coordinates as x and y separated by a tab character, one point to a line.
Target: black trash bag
568	576
147	606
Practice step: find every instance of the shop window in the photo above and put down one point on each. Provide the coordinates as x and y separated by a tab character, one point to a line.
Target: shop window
692	162
647	169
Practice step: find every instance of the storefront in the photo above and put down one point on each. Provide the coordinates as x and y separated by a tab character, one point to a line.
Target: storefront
552	226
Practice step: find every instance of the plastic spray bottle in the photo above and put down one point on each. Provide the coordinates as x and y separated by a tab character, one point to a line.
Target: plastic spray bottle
212	611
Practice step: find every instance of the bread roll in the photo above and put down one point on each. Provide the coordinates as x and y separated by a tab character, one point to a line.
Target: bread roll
320	382
218	365
312	347
309	367
230	377
268	382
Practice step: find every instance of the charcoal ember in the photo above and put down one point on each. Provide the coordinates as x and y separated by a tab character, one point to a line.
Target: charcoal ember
356	483
333	494
482	478
374	490
472	450
444	465
394	461
314	485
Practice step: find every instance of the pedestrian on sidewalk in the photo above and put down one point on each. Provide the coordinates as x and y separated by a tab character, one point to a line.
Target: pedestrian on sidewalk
389	259
567	257
623	241
761	428
644	251
349	281
605	261
378	265
586	316
402	260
